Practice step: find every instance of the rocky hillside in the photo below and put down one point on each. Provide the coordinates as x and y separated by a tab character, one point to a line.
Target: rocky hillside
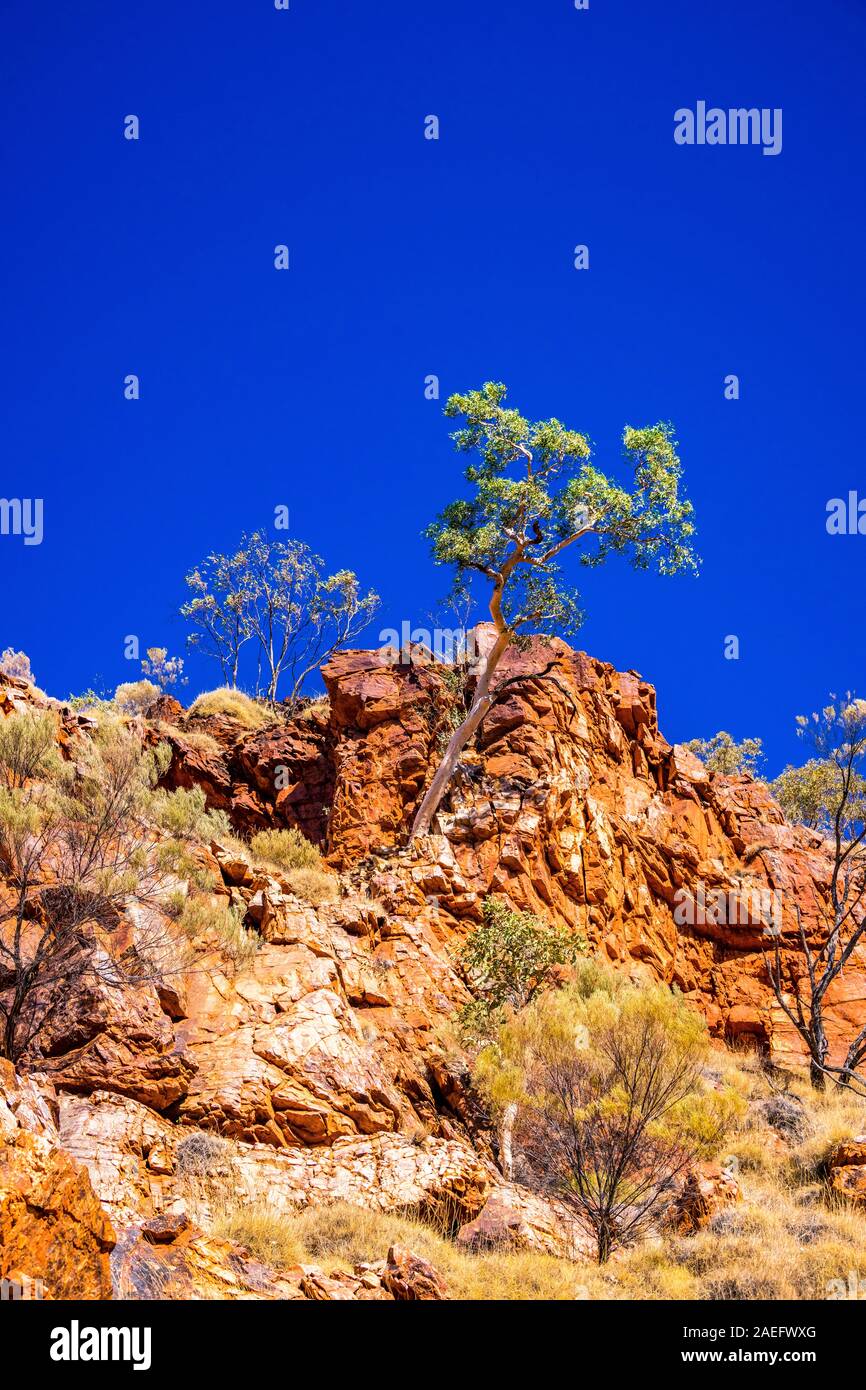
318	1068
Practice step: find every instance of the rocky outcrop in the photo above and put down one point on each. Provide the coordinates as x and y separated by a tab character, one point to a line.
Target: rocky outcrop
846	1170
704	1193
319	1070
572	804
55	1237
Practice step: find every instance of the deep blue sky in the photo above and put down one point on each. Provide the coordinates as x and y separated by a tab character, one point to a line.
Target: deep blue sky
453	257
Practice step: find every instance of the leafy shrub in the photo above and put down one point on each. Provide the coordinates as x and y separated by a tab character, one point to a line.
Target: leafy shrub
134	697
231	703
611	1108
721	754
287	849
508	960
809	795
28	748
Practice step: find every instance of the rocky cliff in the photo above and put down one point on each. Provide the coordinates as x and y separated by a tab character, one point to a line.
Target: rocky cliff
320	1069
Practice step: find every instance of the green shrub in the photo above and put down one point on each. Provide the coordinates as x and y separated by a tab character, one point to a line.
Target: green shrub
203	915
184	814
508	960
287	849
28	748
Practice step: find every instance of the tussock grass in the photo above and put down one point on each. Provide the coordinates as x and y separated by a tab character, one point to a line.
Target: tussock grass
315	886
340	1236
231	703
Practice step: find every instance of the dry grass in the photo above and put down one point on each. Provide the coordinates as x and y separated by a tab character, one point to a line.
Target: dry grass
341	1236
788	1238
297	862
317	707
231	703
196	739
203	916
315	886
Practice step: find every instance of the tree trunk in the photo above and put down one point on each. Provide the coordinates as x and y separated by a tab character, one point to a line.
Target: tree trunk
459	739
604	1241
817	1075
506	1151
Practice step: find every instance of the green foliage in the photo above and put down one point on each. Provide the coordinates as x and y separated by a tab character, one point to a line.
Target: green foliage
808	795
179	859
610	1101
90	701
287	849
838	736
184	814
721	754
28	748
507	960
552	498
201	916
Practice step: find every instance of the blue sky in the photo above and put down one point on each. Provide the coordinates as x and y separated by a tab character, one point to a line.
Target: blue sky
454	257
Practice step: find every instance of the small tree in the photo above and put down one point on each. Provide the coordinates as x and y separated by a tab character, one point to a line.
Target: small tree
507	961
831	791
513	529
278	594
722	754
611	1106
217	609
73	851
808	795
165	670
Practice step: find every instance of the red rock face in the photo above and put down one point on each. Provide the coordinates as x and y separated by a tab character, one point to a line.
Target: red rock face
572	804
55	1238
319	1063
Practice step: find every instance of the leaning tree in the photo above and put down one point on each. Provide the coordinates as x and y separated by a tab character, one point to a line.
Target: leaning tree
534	493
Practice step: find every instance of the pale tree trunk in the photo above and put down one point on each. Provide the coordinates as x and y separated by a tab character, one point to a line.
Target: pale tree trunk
506	1141
480	705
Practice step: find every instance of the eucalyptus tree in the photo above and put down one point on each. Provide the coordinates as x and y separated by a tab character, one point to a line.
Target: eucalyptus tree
277	595
533	494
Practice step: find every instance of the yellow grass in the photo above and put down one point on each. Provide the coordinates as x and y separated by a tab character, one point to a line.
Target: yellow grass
232	703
